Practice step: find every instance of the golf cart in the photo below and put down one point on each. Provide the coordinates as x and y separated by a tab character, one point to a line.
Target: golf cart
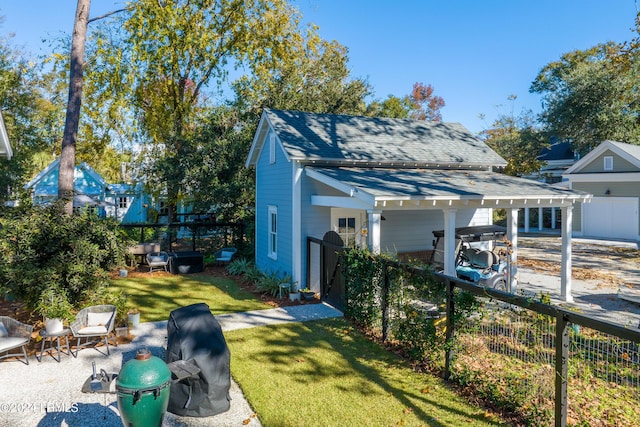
476	257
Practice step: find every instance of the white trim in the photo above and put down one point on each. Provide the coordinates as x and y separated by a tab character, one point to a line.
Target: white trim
272	148
607	163
605	177
4	138
256	144
613	146
340	186
272	235
296	223
339	202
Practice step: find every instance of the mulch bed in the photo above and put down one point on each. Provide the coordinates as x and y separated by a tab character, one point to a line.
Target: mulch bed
18	311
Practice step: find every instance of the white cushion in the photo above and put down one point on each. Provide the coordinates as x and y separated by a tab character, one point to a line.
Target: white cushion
3	331
11	342
98	319
93	330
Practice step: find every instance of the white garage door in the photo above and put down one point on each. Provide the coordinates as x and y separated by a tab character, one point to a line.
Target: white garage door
611	217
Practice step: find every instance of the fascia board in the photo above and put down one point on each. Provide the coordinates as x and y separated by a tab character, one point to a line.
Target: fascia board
342	187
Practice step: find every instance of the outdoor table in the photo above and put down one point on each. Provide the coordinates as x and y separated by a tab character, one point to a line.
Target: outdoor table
53	338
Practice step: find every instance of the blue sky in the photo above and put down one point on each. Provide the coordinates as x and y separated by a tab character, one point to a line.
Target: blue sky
474	53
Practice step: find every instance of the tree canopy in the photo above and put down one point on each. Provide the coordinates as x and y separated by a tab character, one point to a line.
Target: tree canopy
588	99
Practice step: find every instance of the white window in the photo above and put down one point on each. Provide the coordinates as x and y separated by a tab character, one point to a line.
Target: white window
164	209
272	148
347	231
123	202
608	163
273	232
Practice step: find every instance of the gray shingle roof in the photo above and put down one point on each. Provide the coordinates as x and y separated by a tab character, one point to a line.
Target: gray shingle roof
310	136
385	183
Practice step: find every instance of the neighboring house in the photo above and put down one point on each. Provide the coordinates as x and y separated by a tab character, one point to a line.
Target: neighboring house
383	183
5	145
122	201
88	185
128	203
611	172
556	158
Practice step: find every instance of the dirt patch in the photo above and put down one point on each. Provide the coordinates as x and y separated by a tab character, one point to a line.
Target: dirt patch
604	278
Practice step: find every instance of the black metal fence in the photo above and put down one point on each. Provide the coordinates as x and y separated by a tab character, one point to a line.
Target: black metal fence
551	365
206	237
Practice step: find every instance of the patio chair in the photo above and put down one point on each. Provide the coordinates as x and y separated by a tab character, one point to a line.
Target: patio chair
157	261
224	255
94	324
14	334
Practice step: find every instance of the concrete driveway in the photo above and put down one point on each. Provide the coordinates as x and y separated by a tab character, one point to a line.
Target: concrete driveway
613	271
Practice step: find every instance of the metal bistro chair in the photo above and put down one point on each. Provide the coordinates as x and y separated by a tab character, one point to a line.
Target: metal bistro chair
14	334
94	324
224	255
157	261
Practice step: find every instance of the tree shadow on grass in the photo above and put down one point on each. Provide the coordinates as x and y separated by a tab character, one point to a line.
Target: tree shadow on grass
315	353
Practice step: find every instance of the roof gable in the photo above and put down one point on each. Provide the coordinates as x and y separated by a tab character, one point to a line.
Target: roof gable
628	152
311	137
85	181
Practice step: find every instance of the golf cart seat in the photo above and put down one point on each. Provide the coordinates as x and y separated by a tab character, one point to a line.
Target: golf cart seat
481	258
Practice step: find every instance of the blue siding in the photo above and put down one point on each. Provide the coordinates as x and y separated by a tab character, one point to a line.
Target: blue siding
274	188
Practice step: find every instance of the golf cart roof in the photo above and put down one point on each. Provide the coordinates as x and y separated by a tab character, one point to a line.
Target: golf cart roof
478	233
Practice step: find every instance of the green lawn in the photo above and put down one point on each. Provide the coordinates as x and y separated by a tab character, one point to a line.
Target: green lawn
321	373
325	373
157	295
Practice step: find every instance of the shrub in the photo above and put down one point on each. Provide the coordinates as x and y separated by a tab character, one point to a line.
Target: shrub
42	248
239	266
269	283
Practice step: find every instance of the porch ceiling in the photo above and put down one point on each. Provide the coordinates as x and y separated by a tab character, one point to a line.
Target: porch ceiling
385	188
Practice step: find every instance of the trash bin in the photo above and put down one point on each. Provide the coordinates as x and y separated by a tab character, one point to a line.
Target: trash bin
143	387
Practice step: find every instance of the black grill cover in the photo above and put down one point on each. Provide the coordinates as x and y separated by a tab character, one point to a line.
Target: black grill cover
195	335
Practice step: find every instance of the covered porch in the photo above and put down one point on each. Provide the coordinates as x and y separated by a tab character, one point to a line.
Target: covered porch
453	196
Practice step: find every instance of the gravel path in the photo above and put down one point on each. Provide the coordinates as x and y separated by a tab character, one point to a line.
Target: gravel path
48	393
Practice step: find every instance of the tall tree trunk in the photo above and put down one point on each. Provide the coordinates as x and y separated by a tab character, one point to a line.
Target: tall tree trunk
68	156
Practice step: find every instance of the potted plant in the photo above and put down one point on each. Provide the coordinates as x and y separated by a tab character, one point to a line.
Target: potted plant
55	307
133	316
307	294
294	292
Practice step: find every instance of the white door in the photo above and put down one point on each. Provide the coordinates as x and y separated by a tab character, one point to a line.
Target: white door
348	224
611	217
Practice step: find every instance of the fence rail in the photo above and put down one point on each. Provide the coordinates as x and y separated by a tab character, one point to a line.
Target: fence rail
188	235
532	357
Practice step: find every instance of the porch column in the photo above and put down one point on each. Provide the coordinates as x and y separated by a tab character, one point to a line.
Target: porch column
526	220
450	242
565	271
512	258
373	237
553	218
540	222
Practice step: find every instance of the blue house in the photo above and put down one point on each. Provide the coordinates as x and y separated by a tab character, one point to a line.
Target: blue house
125	202
88	185
381	183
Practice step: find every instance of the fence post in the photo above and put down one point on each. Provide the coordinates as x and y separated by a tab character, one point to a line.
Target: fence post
562	360
385	303
449	332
